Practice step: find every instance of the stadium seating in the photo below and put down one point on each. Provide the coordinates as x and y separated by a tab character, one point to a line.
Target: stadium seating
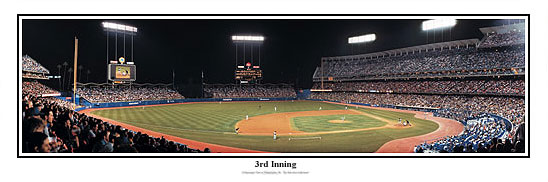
462	61
36	89
487	86
31	65
503	39
484	134
126	94
250	91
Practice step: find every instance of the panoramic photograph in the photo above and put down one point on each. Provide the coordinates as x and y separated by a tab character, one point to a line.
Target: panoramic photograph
270	86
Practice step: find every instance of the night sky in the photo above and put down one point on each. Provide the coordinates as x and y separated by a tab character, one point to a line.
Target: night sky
290	53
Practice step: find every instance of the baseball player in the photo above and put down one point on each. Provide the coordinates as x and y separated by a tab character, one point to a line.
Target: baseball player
274	135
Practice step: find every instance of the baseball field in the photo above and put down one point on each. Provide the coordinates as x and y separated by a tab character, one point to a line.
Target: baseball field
301	126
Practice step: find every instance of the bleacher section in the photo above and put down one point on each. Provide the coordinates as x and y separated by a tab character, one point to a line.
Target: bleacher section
100	93
250	91
32	69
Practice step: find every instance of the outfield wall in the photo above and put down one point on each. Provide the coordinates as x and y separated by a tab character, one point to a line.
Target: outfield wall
157	102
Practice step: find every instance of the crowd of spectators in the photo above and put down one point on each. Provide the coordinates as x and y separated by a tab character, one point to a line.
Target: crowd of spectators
51	125
463	61
250	91
503	39
32	65
32	75
455	107
127	94
35	88
481	135
491	86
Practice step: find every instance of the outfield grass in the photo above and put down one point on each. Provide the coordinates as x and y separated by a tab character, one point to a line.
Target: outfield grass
214	123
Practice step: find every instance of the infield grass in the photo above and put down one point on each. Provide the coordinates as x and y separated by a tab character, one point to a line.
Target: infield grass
321	123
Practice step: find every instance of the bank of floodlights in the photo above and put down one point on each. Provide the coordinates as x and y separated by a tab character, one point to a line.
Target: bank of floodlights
437	24
247	38
362	39
119	27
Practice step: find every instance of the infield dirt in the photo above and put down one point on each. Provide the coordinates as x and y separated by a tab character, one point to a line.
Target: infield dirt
281	123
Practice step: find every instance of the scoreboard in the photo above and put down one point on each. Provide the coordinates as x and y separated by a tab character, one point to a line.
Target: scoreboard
121	72
248	74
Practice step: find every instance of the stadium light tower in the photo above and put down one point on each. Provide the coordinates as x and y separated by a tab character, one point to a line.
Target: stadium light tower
248	41
438	24
119	29
362	39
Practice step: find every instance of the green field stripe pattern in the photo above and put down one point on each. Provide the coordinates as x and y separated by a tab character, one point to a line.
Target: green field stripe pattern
321	123
214	123
206	116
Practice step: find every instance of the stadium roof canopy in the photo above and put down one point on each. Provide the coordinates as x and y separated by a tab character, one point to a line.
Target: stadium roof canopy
401	51
504	28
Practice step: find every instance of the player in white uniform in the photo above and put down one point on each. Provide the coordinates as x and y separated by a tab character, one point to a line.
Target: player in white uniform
275	108
246	117
274	135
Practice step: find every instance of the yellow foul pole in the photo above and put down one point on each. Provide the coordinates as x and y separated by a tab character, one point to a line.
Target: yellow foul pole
75	70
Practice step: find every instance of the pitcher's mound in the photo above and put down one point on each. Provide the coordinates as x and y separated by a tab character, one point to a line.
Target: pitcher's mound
339	121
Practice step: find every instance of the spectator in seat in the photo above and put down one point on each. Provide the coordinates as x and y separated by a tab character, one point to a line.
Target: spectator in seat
39	143
102	144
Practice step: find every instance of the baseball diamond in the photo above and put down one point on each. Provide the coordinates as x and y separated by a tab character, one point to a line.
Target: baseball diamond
213	123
